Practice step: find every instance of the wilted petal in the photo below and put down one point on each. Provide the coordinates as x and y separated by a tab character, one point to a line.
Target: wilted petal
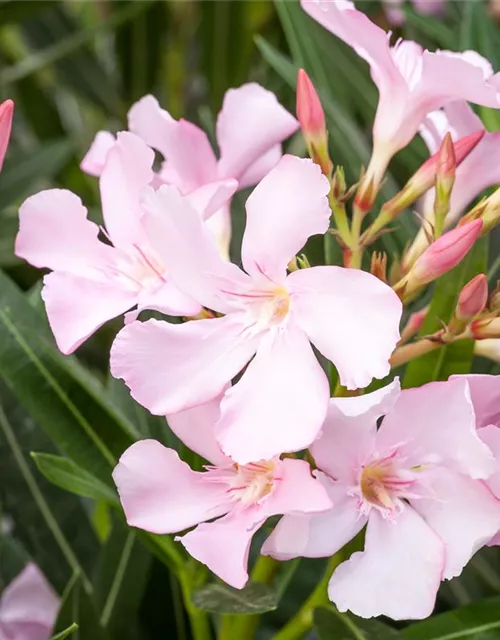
95	158
29	606
317	535
426	419
128	170
169	367
77	306
279	403
463	513
348	433
351	317
398	573
161	494
251	122
54	232
287	207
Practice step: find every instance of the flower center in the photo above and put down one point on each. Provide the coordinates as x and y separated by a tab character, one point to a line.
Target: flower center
141	267
251	483
275	306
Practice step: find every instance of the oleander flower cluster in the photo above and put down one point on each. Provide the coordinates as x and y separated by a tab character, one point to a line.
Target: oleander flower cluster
280	374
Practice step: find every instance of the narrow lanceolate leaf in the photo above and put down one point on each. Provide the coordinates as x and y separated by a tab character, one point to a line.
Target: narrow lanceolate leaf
456	357
78	608
256	597
478	621
64	473
332	625
66	402
67	632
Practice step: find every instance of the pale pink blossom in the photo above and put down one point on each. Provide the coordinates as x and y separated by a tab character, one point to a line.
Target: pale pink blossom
411	81
92	281
280	402
415	482
6	115
160	493
396	15
28	607
250	129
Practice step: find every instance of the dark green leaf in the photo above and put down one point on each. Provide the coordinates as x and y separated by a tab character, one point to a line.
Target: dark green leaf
478	621
64	473
255	598
67	632
12	11
332	625
456	357
77	607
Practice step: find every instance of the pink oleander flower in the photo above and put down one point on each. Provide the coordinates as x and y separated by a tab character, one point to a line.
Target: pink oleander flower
92	281
250	129
415	482
160	493
280	402
28	607
396	15
411	81
6	115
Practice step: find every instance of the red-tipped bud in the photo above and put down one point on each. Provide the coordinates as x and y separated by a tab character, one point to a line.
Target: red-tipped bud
309	110
485	328
473	298
446	162
312	122
6	115
442	255
414	324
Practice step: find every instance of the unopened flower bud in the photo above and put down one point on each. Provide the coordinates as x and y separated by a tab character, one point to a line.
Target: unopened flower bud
489	348
441	256
482	328
338	183
422	181
414	324
312	122
445	179
6	115
378	266
487	210
473	298
494	301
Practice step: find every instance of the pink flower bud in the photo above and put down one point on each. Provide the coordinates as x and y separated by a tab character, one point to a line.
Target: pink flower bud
444	254
414	324
446	161
6	114
309	110
473	298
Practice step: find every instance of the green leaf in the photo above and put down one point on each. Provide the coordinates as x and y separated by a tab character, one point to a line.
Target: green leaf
332	625
78	607
478	621
23	171
121	578
67	632
64	473
456	357
255	598
12	12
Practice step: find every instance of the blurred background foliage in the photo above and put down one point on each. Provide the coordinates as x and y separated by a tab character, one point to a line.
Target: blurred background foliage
73	68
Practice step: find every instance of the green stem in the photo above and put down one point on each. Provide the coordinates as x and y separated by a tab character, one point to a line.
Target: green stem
302	621
198	619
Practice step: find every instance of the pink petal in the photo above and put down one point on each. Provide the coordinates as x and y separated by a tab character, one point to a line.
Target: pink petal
351	317
152	123
161	494
397	575
6	115
355	28
125	175
191	157
220	227
321	534
251	122
29	605
490	435
485	395
195	427
224	546
209	198
426	419
169	368
260	168
54	232
168	299
348	434
297	491
289	204
95	158
188	250
463	513
77	306
279	403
